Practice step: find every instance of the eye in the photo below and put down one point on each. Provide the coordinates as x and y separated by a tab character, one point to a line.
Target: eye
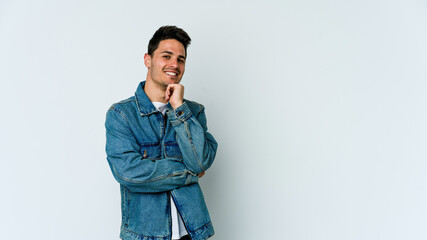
181	60
166	56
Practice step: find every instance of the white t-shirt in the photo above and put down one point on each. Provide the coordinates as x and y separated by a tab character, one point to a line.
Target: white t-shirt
178	227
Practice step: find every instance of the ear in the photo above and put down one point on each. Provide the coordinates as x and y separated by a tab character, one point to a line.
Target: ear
147	60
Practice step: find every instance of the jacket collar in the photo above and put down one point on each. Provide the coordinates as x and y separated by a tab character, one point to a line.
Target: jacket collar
143	103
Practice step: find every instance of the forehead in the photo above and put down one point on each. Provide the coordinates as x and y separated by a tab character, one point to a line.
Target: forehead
171	45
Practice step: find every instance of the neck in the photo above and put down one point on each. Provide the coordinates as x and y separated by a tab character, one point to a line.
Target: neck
154	92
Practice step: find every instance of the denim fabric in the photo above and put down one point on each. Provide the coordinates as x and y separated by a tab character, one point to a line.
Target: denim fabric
154	157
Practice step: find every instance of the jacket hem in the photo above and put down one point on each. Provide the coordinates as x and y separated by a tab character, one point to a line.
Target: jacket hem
201	233
204	232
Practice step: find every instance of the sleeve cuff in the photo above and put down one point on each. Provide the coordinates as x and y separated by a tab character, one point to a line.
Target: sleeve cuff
191	179
179	115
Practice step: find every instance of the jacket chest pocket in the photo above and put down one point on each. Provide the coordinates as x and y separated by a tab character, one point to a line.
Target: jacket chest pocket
150	151
172	150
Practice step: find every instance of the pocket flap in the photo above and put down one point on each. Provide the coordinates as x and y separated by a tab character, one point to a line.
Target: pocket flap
172	150
150	151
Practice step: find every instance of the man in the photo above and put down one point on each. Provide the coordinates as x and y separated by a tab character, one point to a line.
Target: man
158	147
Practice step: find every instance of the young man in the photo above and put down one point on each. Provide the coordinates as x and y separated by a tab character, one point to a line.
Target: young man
158	147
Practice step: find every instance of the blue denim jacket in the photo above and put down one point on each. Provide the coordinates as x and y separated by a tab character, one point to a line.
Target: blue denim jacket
154	157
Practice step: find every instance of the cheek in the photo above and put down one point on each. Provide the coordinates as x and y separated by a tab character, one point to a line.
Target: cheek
158	67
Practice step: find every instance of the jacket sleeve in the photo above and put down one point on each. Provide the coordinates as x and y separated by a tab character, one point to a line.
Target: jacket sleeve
197	145
131	169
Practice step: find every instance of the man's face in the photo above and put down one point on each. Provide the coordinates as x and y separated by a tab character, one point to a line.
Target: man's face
167	63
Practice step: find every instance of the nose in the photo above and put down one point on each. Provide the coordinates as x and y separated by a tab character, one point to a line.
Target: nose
173	62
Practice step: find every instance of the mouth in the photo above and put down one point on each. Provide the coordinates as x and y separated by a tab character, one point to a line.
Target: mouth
171	73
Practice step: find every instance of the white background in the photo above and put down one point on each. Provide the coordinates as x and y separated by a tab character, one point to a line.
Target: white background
319	108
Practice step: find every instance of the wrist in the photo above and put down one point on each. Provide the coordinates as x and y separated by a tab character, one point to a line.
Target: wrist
176	105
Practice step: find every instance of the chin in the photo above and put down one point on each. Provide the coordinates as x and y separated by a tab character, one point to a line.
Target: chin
175	81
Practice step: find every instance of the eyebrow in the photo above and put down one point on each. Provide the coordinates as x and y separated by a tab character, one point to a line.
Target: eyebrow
171	53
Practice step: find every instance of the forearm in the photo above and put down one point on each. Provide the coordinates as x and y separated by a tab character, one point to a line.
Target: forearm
198	146
151	177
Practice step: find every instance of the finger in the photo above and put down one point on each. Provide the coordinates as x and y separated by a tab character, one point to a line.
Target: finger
168	88
167	93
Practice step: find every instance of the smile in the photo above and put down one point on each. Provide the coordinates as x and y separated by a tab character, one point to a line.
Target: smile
171	73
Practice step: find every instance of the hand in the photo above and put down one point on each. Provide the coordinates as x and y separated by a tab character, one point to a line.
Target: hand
175	95
201	174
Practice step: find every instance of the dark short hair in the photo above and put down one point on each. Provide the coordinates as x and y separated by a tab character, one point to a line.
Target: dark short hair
168	32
